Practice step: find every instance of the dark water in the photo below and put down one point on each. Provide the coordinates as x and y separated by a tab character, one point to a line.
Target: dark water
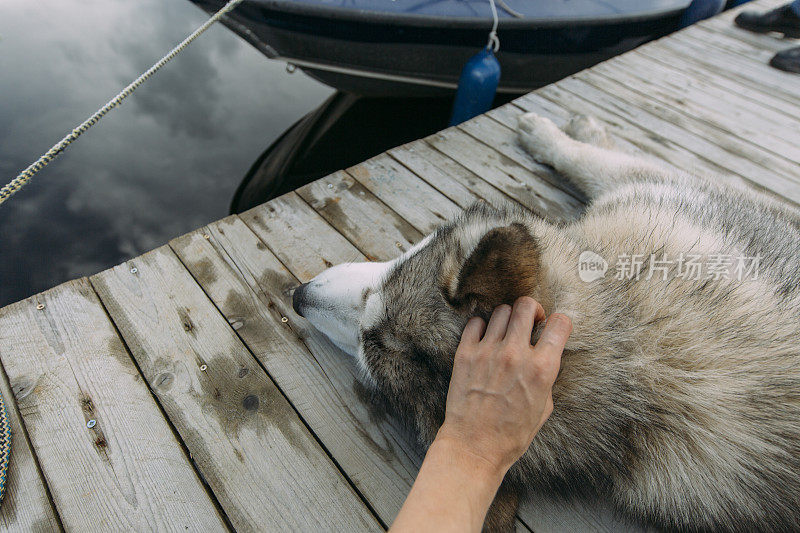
166	162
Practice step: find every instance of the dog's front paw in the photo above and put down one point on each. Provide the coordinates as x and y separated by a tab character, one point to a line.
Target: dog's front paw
540	136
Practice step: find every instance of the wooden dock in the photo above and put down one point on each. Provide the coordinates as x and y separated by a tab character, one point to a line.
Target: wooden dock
179	391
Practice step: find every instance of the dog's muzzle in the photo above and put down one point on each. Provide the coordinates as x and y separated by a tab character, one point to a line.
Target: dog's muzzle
297	298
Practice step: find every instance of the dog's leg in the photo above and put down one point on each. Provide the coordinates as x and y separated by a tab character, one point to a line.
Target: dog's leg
583	154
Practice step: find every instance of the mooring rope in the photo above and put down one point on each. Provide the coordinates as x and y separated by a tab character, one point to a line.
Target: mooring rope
24	177
494	41
512	12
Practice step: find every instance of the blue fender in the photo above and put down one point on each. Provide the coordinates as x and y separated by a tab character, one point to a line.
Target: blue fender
476	86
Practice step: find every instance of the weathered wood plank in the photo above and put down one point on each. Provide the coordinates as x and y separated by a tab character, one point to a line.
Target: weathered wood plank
288	220
426	219
509	115
753	93
252	290
508	175
738	157
724	24
735	50
505	140
424	208
405	193
768	160
760	127
26	505
459	184
661	137
67	367
560	115
754	47
726	64
730	14
628	136
260	460
758	47
727	17
620	128
654	119
338	196
551	515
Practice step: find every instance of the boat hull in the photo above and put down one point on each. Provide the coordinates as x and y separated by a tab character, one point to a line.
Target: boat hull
422	56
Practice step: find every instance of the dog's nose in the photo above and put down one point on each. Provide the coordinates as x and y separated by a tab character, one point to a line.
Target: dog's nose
297	298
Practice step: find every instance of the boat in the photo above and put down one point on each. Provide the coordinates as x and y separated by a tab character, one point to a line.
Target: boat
401	48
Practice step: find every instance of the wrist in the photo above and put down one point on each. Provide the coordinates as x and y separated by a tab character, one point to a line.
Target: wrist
453	490
461	455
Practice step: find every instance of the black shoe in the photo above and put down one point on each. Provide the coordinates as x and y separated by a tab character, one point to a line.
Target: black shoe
788	60
782	20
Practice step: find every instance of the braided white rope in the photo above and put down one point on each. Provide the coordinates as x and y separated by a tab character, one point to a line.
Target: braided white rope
512	12
494	41
17	183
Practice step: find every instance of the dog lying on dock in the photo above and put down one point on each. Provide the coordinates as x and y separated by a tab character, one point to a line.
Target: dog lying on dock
679	391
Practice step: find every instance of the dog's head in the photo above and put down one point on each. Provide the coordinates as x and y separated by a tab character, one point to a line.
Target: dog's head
402	319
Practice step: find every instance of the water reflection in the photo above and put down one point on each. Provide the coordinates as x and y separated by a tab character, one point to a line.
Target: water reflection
164	163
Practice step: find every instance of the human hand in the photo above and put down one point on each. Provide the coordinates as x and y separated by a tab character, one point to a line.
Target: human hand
501	388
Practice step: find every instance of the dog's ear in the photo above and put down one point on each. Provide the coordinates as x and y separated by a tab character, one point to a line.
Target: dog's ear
502	267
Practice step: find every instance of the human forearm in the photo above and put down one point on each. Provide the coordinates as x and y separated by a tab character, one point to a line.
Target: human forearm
500	395
452	492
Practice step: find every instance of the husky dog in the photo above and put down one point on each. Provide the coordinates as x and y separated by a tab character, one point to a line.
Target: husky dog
678	396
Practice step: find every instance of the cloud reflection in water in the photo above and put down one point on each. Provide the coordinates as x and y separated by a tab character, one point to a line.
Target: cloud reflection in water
165	162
